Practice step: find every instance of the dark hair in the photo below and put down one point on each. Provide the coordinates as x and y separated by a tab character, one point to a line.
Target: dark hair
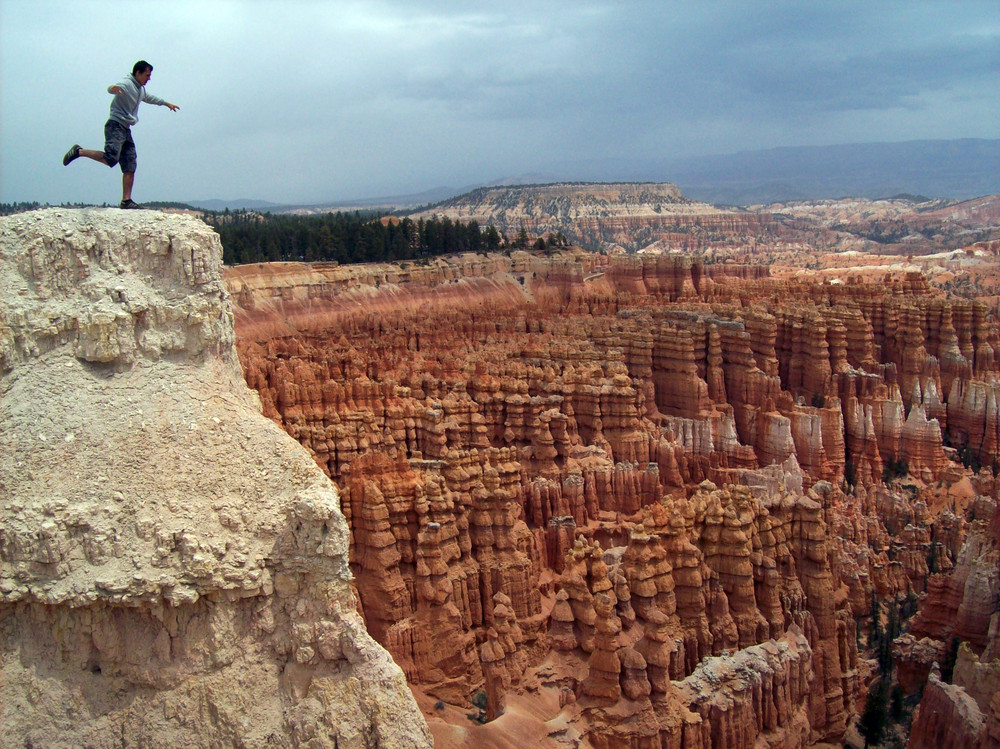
141	67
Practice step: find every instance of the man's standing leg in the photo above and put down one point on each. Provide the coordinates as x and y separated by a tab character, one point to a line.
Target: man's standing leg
127	179
128	163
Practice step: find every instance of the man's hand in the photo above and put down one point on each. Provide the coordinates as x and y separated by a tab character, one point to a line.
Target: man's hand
115	89
173	107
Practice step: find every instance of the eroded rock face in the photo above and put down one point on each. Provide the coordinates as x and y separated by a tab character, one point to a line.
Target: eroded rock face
661	464
961	613
964	602
174	567
947	718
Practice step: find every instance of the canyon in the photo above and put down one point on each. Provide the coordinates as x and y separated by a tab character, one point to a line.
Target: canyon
643	500
701	497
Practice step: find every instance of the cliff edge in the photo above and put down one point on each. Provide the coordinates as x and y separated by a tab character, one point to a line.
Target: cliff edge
173	566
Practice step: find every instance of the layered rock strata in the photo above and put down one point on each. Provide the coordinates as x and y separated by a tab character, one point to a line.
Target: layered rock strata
174	567
958	624
504	424
601	215
738	660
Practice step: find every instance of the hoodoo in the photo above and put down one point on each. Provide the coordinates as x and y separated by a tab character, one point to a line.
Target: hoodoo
707	493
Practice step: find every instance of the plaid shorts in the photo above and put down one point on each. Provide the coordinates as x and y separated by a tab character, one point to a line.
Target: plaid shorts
119	148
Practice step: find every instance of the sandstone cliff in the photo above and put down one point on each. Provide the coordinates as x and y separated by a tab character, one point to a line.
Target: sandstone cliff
174	567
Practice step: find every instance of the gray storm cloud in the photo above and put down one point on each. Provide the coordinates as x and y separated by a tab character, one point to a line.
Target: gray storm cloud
309	101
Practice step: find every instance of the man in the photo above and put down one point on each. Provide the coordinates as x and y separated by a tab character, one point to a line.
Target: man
119	148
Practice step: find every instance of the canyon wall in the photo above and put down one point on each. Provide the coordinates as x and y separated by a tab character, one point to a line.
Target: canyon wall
958	627
174	567
631	479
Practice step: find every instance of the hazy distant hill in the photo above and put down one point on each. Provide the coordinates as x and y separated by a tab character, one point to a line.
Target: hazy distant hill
953	169
956	169
241	204
408	202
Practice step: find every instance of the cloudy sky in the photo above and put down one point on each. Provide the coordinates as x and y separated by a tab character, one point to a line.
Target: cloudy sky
299	101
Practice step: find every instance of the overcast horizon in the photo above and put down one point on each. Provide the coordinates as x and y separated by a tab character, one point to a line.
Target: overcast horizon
310	102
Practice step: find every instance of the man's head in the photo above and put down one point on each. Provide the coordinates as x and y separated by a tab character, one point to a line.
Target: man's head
142	71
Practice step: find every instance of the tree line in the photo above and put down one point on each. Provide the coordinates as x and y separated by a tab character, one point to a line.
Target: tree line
8	209
251	237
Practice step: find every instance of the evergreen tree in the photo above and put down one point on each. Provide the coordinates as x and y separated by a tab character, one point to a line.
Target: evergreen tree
875	716
885	645
896	703
950	657
875	626
493	238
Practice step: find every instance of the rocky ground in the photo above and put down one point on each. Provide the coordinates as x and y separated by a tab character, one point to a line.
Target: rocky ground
173	567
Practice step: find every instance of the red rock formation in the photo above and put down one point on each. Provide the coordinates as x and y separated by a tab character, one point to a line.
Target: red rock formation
947	718
979	677
962	606
990	735
542	429
492	656
974	418
759	694
562	633
963	602
914	659
604	666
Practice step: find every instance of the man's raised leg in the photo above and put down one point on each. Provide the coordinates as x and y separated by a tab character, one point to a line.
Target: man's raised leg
76	152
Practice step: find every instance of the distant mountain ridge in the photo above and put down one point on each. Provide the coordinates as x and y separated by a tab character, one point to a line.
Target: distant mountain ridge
408	202
953	169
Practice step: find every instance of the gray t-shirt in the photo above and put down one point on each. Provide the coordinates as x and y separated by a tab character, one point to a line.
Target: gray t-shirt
125	106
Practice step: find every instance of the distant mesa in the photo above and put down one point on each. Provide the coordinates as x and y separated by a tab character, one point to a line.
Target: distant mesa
246	204
595	215
954	169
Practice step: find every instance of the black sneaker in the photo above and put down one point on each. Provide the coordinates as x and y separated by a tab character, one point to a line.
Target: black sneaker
71	154
129	204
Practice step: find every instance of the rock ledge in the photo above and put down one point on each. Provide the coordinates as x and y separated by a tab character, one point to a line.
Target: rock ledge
174	566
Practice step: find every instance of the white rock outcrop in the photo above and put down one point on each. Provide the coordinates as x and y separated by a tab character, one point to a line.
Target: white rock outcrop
173	566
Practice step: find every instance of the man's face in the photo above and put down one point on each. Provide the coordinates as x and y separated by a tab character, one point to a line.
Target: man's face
144	76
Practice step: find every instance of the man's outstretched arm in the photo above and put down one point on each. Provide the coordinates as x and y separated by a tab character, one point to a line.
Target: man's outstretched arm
150	99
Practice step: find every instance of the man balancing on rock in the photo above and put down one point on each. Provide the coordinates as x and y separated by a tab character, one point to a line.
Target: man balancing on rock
119	148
